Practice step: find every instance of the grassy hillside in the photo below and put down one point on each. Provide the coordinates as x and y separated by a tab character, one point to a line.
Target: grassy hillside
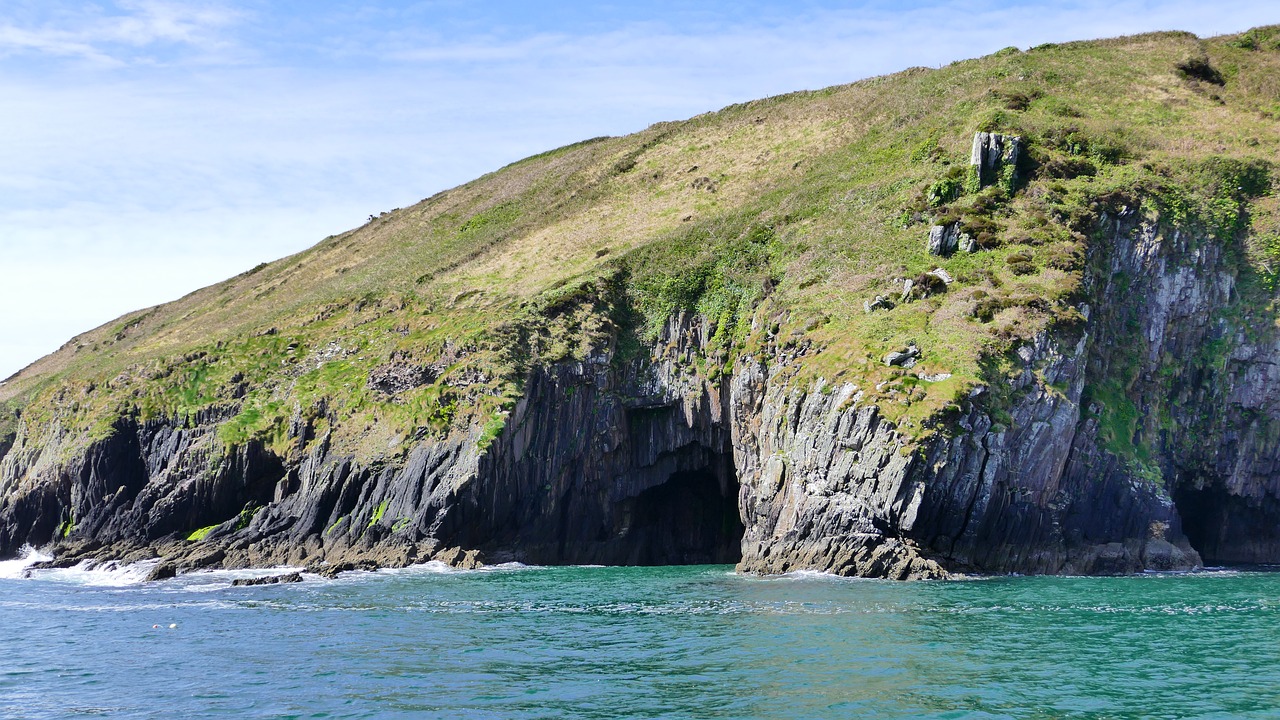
783	215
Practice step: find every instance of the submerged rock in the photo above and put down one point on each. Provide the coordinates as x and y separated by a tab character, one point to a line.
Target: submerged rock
268	580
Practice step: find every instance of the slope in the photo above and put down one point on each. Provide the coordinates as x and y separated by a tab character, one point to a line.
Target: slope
776	223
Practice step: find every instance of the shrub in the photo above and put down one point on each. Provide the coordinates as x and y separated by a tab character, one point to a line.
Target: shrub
1198	68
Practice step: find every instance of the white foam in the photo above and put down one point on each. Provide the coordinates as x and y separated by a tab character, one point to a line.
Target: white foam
101	574
435	567
205	580
17	568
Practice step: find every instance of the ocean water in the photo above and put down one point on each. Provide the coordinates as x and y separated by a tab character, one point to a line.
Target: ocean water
672	642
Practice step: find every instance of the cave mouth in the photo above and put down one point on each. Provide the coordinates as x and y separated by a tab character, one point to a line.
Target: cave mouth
1228	529
691	519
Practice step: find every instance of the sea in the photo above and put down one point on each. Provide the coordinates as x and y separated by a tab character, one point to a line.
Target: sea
514	641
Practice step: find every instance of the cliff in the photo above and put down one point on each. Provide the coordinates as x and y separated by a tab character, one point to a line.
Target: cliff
1048	345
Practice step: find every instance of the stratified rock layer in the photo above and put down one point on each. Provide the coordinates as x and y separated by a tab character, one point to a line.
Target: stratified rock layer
650	462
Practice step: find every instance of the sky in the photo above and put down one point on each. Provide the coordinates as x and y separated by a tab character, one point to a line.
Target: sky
152	147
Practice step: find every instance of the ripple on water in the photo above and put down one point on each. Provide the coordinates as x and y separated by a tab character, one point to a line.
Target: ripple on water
531	642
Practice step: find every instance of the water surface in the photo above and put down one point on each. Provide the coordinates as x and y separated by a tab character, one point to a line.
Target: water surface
674	642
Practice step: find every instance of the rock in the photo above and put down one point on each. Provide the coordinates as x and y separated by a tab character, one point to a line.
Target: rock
994	156
943	239
459	558
967	243
163	571
595	457
907	287
705	183
333	570
268	580
881	302
396	378
902	357
942	275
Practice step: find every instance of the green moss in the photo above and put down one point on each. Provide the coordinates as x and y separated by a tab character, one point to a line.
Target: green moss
201	534
378	513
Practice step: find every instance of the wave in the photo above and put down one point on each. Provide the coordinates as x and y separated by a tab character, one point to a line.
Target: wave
435	567
99	574
17	568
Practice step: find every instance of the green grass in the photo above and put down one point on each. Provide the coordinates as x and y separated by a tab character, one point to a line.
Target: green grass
822	200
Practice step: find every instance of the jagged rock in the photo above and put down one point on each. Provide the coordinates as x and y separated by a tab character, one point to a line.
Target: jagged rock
396	378
943	239
994	155
268	580
907	286
626	467
459	558
333	570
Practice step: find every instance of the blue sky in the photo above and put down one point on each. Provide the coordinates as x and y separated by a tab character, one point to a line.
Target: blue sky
151	147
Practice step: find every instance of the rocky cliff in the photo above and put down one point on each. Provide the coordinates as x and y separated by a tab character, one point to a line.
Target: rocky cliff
993	352
649	462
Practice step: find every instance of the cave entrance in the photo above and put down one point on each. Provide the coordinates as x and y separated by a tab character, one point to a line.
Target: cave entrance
1200	512
1228	529
691	519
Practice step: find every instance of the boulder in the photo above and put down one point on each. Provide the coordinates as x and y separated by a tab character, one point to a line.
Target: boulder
944	239
163	571
905	357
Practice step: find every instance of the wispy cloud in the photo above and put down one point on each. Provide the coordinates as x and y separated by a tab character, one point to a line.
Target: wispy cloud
114	35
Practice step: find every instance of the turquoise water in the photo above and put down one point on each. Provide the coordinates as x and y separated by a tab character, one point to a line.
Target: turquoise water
683	642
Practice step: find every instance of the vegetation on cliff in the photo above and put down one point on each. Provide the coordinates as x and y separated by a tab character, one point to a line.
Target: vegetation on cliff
776	219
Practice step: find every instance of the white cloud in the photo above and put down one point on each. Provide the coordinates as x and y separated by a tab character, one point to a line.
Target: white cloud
114	38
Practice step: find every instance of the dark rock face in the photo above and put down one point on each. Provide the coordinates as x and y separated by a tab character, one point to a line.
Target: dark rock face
395	378
1048	494
1146	437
